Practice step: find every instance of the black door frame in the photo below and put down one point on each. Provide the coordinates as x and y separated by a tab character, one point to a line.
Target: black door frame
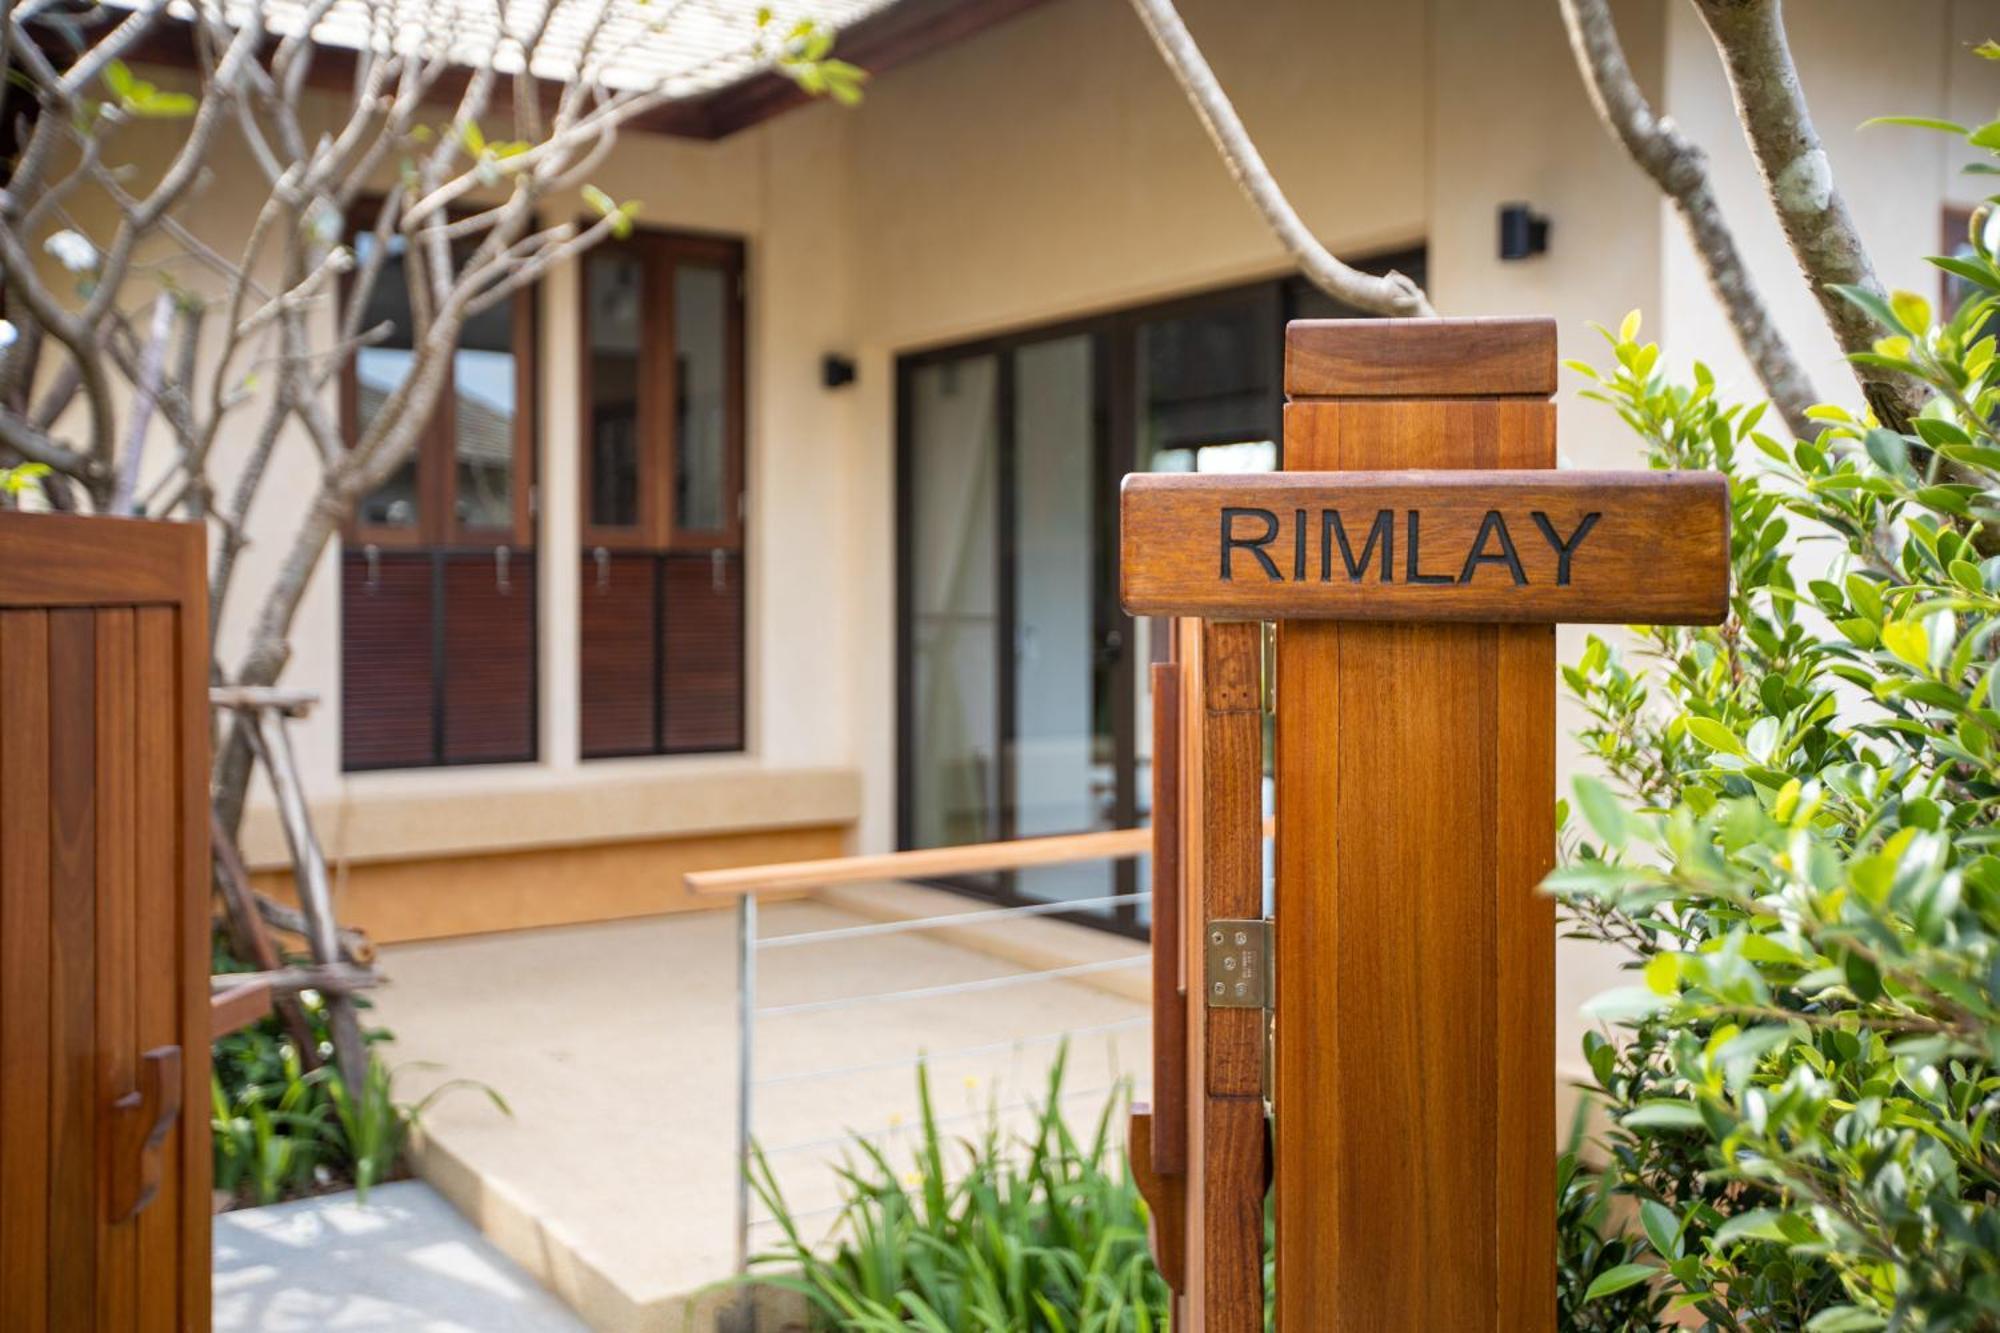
1115	427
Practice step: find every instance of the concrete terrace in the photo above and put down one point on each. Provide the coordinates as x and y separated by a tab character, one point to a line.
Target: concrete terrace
612	1183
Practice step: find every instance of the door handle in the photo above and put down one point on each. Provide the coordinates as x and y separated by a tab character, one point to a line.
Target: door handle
140	1122
503	558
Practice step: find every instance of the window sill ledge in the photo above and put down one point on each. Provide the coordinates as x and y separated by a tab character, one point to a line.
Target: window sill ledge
427	813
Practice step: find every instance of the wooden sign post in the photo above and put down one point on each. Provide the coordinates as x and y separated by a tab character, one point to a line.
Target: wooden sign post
1416	553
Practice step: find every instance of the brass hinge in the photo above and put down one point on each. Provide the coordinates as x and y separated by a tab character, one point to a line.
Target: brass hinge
1237	973
1237	964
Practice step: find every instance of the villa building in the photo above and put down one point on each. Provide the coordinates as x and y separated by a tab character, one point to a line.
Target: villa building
786	527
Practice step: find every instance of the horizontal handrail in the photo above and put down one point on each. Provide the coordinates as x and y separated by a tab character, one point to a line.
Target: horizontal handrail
969	859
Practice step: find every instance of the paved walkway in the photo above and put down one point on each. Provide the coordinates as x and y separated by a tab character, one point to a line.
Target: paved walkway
612	1182
406	1261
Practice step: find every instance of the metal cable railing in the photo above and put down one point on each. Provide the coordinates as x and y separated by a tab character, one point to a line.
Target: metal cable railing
748	885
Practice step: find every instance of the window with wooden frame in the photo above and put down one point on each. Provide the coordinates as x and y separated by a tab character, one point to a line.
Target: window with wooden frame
661	623
438	580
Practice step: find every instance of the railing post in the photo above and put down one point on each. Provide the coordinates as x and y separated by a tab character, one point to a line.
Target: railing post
746	1034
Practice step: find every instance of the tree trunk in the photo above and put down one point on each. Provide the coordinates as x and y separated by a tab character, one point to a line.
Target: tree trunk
1771	104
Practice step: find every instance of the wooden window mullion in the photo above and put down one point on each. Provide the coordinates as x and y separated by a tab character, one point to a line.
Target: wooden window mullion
662	266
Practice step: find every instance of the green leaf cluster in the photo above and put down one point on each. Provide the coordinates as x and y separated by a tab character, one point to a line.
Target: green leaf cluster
1041	1234
1794	845
280	1130
138	98
803	53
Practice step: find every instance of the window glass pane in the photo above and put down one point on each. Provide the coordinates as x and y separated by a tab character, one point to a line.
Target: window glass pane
954	624
615	291
1204	379
378	370
482	419
701	399
1063	775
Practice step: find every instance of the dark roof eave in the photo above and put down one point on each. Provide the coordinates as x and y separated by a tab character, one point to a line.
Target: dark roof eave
901	33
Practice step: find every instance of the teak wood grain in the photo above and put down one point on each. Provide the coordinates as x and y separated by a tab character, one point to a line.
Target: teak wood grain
1415	960
1415	545
104	951
1165	1196
1225	1246
1167	1129
1420	358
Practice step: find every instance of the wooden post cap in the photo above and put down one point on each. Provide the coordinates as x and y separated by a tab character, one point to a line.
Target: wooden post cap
1514	357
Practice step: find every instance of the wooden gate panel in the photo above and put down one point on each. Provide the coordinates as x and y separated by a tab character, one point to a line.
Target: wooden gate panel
24	969
117	954
72	969
104	1155
156	753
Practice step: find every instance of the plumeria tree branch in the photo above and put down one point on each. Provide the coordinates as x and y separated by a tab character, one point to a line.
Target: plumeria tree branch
1385	294
1798	176
1679	167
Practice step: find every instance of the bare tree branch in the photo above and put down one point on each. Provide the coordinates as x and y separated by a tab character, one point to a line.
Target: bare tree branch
1680	168
152	361
1771	103
1389	294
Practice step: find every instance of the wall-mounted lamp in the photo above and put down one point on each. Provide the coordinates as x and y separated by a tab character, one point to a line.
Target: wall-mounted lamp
1523	232
836	372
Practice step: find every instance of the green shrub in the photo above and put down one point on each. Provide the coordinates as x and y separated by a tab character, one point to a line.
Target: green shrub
1047	1233
1796	849
281	1131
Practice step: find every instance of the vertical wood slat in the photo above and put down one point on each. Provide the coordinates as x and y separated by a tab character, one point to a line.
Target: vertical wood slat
116	956
1230	1202
1411	819
24	970
72	1202
1168	1145
193	1229
156	835
1525	947
1188	636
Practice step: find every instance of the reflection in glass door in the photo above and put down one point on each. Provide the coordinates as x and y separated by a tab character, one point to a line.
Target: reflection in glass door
1062	772
953	611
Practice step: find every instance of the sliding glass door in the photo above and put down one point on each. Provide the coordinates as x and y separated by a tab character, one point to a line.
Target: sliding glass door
1022	699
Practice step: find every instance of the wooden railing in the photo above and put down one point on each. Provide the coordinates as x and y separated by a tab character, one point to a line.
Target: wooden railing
924	863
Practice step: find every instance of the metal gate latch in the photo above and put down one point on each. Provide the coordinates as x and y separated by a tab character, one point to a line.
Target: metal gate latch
1237	964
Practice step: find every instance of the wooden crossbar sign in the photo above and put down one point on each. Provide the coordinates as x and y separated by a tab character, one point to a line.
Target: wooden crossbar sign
1417	554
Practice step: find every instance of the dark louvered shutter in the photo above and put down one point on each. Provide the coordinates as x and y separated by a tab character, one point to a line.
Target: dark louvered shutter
701	676
619	632
489	657
388	688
